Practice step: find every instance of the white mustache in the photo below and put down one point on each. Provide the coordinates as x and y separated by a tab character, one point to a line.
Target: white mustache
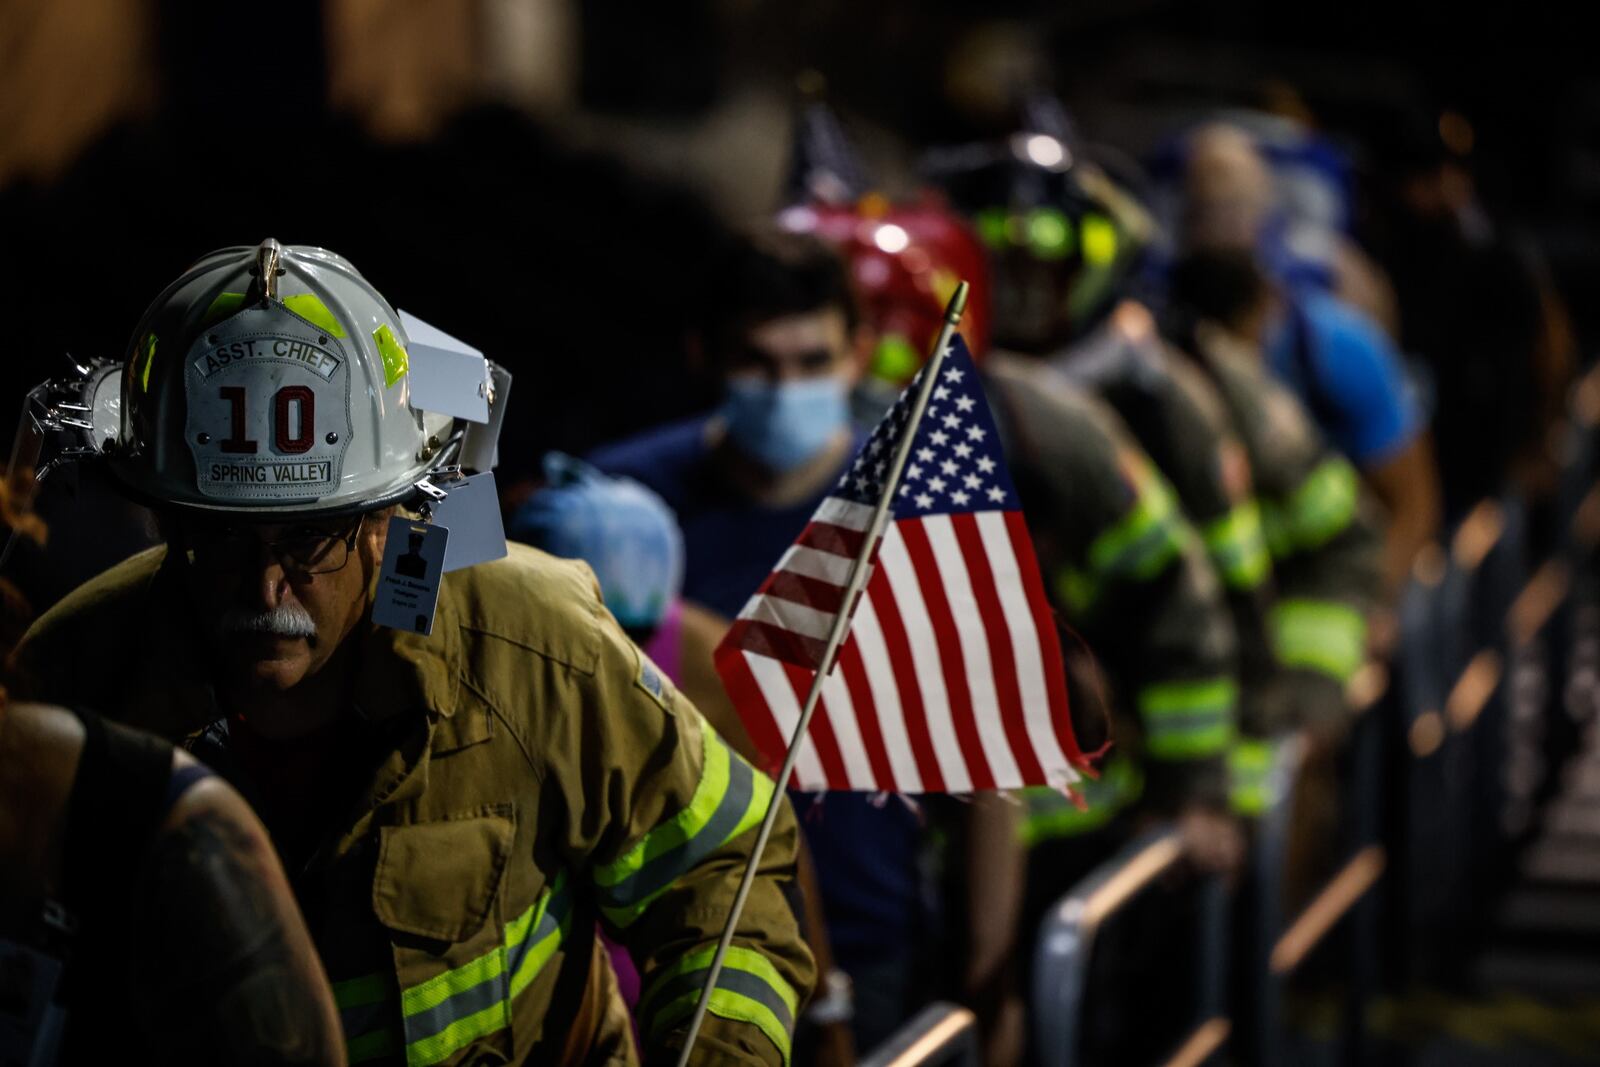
286	620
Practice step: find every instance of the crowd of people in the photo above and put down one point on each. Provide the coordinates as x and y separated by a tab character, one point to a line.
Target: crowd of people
516	831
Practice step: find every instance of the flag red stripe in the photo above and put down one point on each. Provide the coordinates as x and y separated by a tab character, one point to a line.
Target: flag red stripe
1044	622
800	589
951	661
905	680
821	730
752	707
1002	659
766	639
854	673
826	537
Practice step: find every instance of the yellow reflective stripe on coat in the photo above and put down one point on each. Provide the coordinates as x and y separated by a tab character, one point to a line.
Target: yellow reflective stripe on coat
1319	635
450	1011
749	990
441	1016
1143	541
1051	814
1236	544
368	1016
1188	720
731	798
1318	510
1250	786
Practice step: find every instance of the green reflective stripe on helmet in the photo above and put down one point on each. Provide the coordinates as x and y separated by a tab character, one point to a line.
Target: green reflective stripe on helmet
147	352
1049	233
1250	786
221	306
1188	720
1052	815
395	360
1320	635
731	798
449	1011
1237	545
748	990
1145	540
309	306
1324	504
1099	240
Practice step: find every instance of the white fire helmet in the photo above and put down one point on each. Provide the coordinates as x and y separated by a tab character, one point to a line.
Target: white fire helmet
273	380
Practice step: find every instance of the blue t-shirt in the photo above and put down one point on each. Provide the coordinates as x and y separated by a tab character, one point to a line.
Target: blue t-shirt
866	855
1348	375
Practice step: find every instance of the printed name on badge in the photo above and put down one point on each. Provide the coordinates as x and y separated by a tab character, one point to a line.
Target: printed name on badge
408	581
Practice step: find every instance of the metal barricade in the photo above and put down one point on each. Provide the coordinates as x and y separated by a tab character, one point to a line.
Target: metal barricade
1066	945
940	1034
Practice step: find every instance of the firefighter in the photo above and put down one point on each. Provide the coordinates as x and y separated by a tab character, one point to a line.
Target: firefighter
457	809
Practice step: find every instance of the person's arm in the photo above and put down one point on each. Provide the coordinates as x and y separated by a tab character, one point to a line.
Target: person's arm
225	969
996	875
665	818
1407	484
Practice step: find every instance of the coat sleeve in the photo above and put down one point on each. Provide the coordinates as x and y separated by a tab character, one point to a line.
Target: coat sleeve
1130	571
663	818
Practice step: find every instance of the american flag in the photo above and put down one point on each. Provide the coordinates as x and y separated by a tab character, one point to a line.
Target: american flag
950	679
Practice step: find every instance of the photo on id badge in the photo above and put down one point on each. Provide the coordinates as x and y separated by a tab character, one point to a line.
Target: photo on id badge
408	582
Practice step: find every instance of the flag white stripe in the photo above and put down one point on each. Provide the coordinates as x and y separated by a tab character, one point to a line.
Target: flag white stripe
974	639
811	563
865	631
788	615
847	513
847	731
924	644
1024	645
779	695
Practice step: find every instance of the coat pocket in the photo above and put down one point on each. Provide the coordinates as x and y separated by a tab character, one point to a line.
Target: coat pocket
438	888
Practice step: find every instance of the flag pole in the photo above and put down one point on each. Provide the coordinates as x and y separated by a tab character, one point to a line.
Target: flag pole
859	571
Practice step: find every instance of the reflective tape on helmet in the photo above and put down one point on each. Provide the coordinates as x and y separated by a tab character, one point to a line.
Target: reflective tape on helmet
731	797
1237	545
1250	785
146	352
395	360
1325	636
749	989
1052	815
1188	720
309	306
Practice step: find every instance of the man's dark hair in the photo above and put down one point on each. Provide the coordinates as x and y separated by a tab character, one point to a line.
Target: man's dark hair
770	273
1222	285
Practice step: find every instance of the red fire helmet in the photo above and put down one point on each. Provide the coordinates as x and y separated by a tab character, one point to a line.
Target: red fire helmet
904	261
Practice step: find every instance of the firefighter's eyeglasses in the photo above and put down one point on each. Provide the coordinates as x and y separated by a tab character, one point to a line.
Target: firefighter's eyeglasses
302	550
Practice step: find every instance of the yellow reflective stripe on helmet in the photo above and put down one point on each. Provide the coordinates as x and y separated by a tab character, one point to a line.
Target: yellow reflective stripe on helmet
1188	720
146	351
730	798
1052	815
221	306
1237	545
1323	505
309	306
395	360
443	1015
1319	635
1250	786
1145	540
748	990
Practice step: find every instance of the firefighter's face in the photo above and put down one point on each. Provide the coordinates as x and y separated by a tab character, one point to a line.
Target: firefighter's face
276	601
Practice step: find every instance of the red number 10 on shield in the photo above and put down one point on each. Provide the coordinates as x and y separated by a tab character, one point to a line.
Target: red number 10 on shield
284	443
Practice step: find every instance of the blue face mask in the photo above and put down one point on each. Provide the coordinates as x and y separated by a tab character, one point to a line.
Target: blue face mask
784	424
